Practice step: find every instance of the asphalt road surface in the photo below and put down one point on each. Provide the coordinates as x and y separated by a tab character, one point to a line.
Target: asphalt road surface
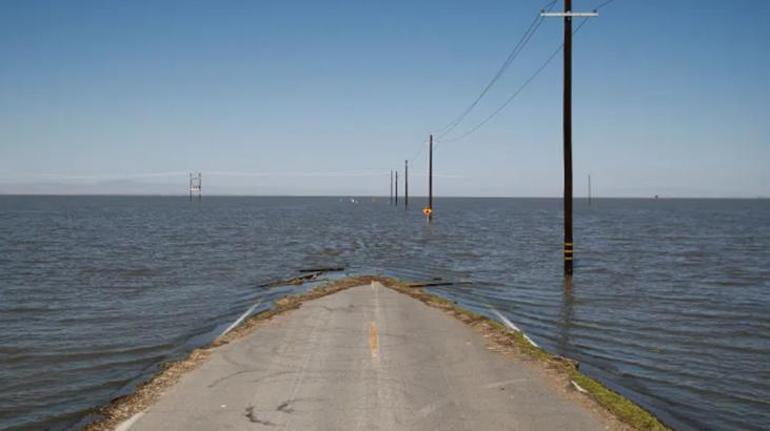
366	358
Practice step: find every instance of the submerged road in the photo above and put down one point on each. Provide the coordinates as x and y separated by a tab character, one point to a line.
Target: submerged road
366	358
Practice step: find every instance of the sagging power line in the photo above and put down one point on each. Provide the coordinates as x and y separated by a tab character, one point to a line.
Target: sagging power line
526	83
515	94
525	38
566	47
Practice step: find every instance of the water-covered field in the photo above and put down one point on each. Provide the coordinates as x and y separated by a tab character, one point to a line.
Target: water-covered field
669	303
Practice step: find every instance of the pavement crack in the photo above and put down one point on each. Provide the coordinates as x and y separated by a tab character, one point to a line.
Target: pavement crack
254	419
237	373
346	309
285	407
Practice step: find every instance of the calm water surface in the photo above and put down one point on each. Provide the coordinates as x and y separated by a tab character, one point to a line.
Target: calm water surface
669	305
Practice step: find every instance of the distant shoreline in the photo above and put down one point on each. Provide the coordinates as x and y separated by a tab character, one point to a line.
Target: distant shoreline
381	197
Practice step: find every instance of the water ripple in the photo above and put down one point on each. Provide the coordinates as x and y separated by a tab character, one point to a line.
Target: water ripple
668	304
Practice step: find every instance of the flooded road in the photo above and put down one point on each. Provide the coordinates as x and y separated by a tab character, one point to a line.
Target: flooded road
668	304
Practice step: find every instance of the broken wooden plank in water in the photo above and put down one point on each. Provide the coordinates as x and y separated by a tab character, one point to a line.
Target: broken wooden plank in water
292	281
330	269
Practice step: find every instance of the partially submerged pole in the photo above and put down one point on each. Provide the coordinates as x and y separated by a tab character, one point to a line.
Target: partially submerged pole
428	210
568	249
391	187
589	190
406	184
396	188
567	127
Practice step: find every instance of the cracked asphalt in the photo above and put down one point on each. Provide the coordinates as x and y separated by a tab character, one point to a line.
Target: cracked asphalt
366	358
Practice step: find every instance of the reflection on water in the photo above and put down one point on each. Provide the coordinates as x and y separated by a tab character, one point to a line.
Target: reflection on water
668	304
565	322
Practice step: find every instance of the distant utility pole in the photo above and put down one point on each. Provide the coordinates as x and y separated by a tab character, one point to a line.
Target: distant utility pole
195	185
589	190
391	187
406	184
396	188
428	211
568	14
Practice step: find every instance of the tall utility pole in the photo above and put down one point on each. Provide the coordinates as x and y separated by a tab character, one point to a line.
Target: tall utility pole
391	187
406	184
429	211
396	188
568	15
568	243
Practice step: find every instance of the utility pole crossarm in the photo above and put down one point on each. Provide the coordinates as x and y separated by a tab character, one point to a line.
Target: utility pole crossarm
569	14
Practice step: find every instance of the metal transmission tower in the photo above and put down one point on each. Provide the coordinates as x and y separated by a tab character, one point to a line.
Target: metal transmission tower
195	185
568	14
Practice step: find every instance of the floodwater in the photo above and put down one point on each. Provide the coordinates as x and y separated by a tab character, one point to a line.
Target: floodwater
669	304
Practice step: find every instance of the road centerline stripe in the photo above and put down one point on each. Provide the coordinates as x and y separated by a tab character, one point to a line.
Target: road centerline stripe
373	339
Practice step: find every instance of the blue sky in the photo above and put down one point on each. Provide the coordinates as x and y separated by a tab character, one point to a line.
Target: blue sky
309	97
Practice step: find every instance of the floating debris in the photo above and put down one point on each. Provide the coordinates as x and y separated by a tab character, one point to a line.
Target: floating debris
308	274
294	281
329	269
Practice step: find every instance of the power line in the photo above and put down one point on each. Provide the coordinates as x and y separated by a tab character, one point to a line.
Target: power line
420	150
525	38
516	93
603	4
526	83
534	25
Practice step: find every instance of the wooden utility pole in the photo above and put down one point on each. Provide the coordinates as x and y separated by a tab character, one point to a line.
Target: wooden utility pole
568	242
396	188
589	190
567	128
406	184
429	209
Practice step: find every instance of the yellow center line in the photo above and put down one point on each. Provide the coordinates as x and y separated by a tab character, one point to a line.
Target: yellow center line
373	339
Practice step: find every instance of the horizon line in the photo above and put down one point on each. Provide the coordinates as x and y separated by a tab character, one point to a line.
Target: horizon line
372	196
